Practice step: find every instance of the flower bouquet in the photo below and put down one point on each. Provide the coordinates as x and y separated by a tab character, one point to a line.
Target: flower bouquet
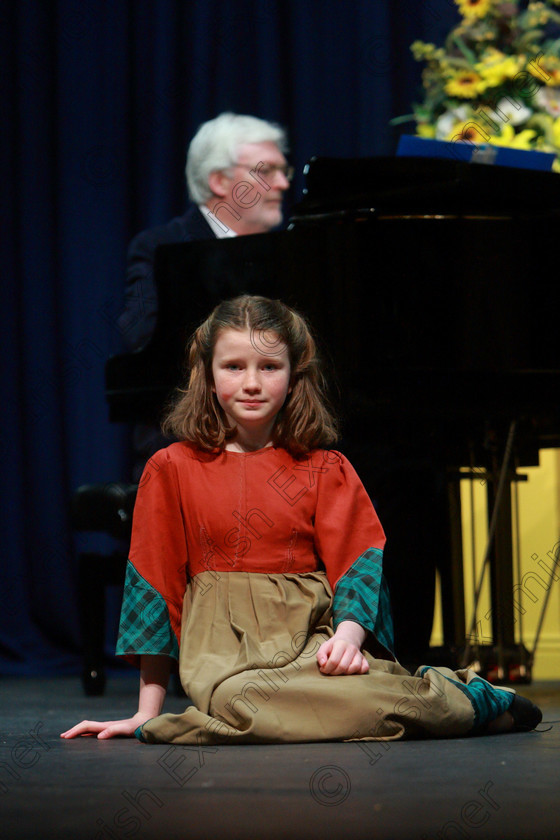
496	80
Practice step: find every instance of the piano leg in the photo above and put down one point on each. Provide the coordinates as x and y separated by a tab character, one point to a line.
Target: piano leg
96	571
510	659
501	575
451	573
504	660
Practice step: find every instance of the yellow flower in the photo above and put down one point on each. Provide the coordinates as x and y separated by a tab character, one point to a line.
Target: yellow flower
556	132
468	132
474	8
509	138
426	52
492	54
425	130
546	69
537	15
494	71
465	84
422	51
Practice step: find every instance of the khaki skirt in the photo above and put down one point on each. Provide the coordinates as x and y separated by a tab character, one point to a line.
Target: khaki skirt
248	663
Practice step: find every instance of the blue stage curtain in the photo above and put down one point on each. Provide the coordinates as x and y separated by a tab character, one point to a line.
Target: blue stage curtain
99	100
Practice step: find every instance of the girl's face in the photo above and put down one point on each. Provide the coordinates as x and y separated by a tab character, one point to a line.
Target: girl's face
251	371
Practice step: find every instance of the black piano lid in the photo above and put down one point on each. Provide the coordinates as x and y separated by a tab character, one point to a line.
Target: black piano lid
415	185
454	317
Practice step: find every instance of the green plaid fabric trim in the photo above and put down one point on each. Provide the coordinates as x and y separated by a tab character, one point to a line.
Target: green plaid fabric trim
144	625
488	702
362	595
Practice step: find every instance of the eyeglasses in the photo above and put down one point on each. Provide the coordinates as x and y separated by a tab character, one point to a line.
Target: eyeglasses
267	171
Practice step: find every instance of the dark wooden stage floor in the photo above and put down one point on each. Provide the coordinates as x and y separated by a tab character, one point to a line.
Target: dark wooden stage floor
504	786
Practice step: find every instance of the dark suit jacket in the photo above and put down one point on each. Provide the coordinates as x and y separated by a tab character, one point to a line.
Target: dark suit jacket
138	320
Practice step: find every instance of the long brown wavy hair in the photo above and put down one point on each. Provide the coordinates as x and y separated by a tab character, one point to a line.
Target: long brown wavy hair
305	422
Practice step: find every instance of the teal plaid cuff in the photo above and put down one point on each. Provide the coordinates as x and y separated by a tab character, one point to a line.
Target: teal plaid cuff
144	625
362	595
487	701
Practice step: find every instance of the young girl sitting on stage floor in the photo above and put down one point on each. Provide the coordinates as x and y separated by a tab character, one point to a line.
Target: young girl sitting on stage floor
242	533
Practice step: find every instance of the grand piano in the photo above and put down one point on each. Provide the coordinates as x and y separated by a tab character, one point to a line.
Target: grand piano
432	289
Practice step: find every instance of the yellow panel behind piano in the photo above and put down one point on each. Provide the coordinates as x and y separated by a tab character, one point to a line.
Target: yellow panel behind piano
539	532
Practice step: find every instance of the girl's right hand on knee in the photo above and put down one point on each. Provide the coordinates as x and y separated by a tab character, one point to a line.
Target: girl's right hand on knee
106	729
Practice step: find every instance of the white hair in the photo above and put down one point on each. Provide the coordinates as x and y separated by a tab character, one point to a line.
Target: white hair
215	145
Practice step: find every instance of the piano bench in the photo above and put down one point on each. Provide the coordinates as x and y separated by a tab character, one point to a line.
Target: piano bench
105	508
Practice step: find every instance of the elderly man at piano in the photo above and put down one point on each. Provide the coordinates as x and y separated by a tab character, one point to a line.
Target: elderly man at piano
236	176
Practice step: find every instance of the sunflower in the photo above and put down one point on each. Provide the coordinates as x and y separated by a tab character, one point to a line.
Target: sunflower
546	69
495	71
468	132
474	8
465	84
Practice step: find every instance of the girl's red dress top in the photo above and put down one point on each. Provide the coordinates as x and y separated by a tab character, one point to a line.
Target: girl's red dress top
262	511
